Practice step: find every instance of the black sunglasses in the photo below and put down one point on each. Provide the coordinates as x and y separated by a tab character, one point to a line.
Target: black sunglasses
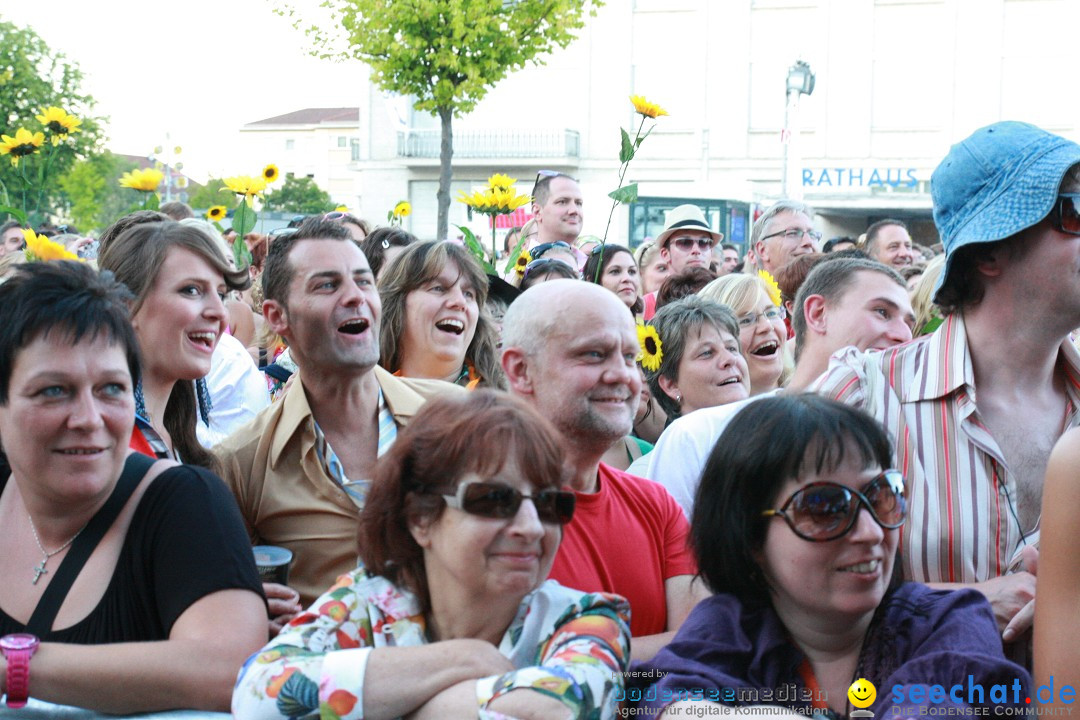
538	251
1066	213
824	511
542	265
500	501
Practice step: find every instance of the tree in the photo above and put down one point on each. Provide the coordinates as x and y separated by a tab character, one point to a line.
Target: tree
32	78
446	53
209	195
299	195
94	197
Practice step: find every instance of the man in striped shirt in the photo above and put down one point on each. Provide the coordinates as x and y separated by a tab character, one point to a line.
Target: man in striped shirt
1005	203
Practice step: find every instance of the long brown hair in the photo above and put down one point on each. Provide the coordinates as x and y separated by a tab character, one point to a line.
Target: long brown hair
135	257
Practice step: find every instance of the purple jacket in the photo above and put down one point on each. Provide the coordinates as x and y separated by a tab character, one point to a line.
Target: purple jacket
919	638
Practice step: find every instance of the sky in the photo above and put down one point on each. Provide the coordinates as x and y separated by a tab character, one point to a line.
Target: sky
187	73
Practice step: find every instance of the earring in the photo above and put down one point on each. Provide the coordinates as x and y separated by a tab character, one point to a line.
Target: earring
678	398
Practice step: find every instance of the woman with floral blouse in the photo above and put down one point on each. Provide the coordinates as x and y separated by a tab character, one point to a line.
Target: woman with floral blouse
453	616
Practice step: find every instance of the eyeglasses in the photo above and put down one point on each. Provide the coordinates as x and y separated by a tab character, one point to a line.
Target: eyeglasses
774	313
686	243
550	175
538	251
501	501
824	511
541	265
336	215
283	232
1066	213
795	235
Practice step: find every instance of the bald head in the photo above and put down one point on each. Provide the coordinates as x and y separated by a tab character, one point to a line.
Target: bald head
554	306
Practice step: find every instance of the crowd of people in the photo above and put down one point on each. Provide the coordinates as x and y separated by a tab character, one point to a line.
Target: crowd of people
665	479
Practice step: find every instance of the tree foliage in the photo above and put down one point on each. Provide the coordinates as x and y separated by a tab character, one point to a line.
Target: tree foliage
207	196
94	197
299	195
446	53
33	77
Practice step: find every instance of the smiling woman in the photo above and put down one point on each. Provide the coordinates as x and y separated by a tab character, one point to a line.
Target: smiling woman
434	322
108	600
179	277
464	518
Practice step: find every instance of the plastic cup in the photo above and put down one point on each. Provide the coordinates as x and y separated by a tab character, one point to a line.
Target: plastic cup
273	563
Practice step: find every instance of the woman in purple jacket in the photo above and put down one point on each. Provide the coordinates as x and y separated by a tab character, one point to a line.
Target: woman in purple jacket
795	527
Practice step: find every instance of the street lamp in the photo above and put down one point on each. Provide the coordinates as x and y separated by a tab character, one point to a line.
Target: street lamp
800	81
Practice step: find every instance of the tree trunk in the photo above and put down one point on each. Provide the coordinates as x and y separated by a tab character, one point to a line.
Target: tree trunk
446	152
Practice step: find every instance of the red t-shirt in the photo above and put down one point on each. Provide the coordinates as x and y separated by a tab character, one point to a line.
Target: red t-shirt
627	539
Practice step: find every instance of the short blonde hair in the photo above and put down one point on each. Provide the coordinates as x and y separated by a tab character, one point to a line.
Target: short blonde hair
741	292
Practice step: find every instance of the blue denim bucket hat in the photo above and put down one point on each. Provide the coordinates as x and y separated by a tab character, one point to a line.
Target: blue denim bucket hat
1002	179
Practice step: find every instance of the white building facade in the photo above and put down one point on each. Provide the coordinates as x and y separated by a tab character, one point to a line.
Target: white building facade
898	81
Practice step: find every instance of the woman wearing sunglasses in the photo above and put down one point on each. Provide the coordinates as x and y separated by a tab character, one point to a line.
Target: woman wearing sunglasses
460	528
798	541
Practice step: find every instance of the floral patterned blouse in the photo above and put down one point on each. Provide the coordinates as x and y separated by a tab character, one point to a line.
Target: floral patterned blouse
567	644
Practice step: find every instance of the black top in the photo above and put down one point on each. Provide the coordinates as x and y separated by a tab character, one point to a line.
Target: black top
186	540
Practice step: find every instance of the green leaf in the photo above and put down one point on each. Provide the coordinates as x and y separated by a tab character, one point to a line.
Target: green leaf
243	219
625	195
515	253
475	248
241	254
15	213
152	202
626	153
638	141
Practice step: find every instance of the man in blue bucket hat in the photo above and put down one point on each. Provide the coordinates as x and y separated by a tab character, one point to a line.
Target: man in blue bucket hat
1007	206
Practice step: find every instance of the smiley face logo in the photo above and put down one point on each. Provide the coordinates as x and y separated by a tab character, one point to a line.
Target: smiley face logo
862	693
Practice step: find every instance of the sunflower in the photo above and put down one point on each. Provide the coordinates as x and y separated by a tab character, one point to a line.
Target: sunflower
216	213
142	180
652	350
646	108
522	262
41	248
244	185
24	143
270	174
402	209
770	286
498	180
58	123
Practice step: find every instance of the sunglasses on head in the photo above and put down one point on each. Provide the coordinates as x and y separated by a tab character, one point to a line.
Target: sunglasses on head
542	175
541	265
538	251
335	215
1066	213
824	511
501	501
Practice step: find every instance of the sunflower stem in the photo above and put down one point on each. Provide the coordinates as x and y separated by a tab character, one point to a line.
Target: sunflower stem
615	203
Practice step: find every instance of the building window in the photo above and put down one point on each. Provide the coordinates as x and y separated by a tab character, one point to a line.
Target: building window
342	141
354	147
290	144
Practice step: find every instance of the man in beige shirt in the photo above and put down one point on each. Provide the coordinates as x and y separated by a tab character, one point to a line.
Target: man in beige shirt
300	469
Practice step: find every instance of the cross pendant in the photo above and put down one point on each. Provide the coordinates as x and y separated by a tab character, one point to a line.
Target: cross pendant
39	571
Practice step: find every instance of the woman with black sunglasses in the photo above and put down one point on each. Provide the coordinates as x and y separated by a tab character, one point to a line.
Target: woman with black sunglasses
795	526
460	528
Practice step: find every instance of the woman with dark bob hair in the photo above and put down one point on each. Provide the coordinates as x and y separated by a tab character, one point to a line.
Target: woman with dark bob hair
434	323
795	527
614	267
460	528
128	582
179	276
702	364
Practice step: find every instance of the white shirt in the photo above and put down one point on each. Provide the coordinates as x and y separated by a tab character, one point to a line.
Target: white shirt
238	391
681	452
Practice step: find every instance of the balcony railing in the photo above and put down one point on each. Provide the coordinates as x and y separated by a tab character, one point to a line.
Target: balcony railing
491	144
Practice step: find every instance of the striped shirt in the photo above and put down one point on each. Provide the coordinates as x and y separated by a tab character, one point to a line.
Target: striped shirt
962	524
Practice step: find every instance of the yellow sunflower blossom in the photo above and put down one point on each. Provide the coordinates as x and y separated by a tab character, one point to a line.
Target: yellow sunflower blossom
652	350
59	123
244	185
41	248
216	213
24	143
142	180
270	174
341	208
770	286
498	180
402	209
646	108
522	262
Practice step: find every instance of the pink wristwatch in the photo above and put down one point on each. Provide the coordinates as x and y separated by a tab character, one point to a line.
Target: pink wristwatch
18	648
